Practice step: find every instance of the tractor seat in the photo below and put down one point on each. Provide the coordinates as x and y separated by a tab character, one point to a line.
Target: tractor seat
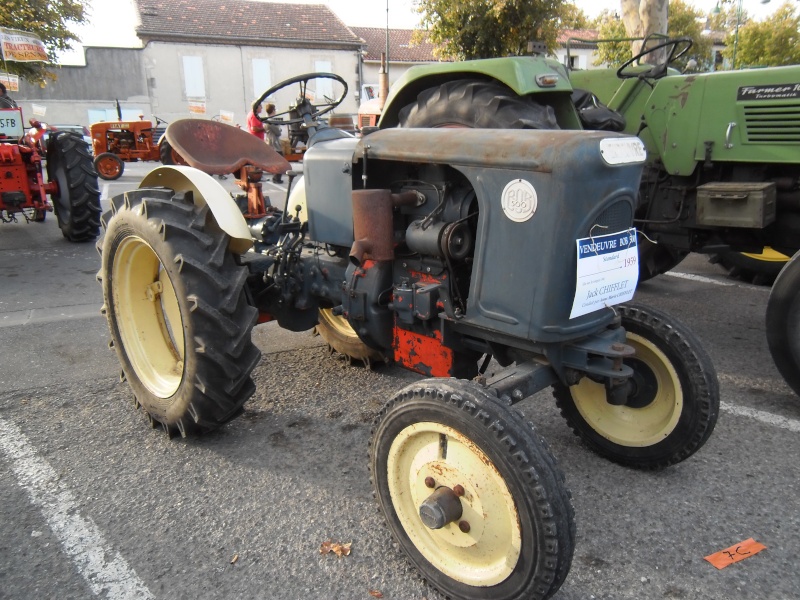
219	149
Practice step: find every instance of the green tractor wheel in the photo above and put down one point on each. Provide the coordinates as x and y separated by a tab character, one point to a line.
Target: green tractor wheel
760	269
471	493
672	404
175	299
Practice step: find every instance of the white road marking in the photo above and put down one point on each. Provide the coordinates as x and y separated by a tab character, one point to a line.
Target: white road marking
104	194
699	278
106	572
760	415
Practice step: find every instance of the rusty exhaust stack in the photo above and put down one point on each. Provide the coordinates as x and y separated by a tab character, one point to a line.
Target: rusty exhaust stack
372	223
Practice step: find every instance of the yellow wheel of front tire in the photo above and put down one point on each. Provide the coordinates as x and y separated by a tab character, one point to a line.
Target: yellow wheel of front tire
339	335
672	398
447	444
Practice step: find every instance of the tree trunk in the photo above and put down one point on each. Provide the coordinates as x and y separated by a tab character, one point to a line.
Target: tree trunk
643	18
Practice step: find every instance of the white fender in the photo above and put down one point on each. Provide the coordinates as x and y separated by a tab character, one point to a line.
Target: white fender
298	198
209	192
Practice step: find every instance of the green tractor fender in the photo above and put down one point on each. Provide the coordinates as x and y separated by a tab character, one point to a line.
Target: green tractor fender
208	192
524	75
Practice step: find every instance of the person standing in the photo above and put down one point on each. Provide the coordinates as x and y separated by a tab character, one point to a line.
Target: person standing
254	125
274	138
6	101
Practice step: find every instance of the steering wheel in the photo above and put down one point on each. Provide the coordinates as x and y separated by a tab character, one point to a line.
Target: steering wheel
678	47
304	108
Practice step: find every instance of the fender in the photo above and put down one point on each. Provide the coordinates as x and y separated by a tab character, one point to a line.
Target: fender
206	192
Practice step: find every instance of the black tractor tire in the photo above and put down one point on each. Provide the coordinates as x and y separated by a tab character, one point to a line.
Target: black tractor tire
109	166
759	269
340	337
515	536
476	104
77	201
168	155
783	323
656	259
674	401
176	303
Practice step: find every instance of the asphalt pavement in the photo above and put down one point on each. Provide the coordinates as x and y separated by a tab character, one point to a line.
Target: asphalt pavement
96	505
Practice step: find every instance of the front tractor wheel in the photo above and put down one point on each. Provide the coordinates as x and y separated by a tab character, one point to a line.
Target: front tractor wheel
672	404
783	323
109	166
340	336
174	296
471	493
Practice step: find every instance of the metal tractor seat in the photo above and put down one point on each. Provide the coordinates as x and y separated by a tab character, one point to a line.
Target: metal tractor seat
219	149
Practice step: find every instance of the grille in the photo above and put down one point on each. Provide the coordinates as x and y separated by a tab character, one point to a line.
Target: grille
617	217
773	124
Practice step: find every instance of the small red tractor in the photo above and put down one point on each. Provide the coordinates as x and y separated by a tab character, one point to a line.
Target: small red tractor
71	178
116	142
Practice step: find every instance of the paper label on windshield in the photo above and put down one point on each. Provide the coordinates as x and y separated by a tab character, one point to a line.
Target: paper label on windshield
608	271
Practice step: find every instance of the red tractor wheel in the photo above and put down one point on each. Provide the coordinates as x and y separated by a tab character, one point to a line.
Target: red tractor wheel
109	166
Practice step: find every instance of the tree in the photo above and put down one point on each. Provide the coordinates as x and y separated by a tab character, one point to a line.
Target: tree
643	18
467	29
774	42
683	22
51	21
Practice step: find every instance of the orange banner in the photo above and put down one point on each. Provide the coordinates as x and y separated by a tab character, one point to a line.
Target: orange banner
21	46
735	553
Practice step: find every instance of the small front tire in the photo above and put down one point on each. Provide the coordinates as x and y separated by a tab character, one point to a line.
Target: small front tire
109	166
673	402
783	323
515	535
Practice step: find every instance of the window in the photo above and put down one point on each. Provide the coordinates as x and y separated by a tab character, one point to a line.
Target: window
194	81
262	76
324	86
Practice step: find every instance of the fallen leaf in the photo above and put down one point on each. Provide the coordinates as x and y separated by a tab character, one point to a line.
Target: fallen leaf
335	547
375	594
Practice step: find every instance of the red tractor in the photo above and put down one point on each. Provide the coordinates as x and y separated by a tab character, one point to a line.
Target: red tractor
117	142
71	178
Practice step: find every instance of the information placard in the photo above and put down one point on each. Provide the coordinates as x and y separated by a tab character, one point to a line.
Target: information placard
607	271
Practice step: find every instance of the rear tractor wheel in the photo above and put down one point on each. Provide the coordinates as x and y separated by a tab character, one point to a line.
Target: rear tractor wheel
673	397
471	493
77	202
175	299
783	323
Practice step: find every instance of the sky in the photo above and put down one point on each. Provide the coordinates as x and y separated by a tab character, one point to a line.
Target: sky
103	28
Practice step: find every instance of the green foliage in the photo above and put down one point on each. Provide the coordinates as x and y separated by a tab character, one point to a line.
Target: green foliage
468	29
774	42
51	21
683	22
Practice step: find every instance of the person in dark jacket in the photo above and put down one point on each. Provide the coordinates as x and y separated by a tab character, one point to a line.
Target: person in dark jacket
6	101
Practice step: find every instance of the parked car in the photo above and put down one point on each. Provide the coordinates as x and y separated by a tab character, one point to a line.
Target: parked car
81	130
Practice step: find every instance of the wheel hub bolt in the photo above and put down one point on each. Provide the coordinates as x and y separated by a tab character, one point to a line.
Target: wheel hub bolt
430	482
458	490
464	526
440	508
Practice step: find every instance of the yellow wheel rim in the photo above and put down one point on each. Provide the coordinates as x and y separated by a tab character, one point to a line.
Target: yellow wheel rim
488	553
628	426
768	255
148	317
337	323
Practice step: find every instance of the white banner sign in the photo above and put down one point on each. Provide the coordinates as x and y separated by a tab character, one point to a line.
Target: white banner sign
38	110
226	116
607	272
22	46
10	81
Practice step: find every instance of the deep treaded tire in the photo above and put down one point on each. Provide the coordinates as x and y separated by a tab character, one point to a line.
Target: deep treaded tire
783	323
476	104
176	305
674	401
77	203
520	528
758	269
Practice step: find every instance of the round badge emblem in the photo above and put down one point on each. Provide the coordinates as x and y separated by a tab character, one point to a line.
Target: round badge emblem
519	200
